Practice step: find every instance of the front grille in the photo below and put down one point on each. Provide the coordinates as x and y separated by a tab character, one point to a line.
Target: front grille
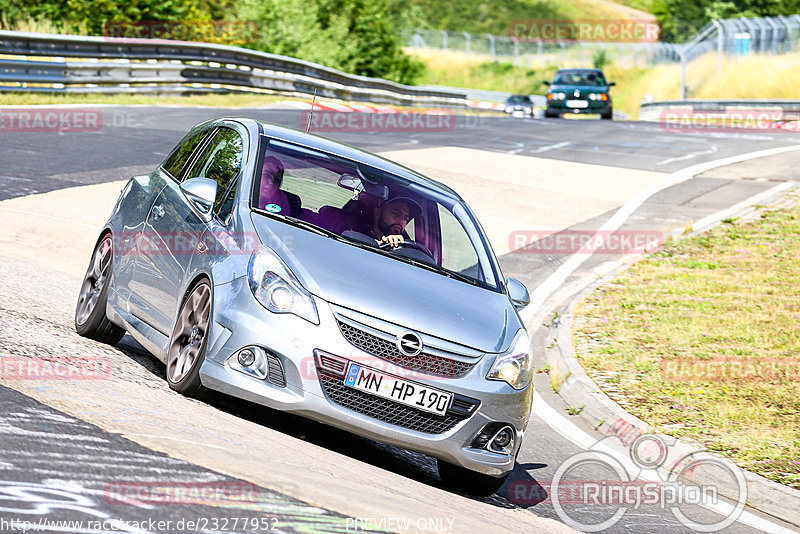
393	412
385	349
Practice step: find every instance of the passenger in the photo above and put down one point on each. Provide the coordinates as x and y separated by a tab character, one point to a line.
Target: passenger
271	197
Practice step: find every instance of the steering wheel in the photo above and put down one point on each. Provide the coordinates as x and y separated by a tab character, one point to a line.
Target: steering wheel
408	244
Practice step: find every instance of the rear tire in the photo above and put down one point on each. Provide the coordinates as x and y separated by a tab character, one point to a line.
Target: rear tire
189	341
90	312
467	481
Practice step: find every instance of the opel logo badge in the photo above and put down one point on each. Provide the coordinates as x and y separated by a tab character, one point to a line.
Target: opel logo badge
409	343
577	93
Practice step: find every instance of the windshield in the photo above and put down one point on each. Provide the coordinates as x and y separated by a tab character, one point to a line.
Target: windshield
359	205
579	78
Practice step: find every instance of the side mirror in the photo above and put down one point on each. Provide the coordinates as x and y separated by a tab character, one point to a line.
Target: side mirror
202	192
611	84
545	83
518	293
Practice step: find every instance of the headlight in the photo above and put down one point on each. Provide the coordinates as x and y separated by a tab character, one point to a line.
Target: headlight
276	288
516	365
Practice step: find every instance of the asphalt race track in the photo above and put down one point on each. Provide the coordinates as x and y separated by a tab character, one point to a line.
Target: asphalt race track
65	447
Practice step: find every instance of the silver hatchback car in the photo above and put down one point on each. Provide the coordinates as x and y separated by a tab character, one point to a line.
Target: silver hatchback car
306	275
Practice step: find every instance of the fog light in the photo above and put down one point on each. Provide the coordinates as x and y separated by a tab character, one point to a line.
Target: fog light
251	361
503	441
247	357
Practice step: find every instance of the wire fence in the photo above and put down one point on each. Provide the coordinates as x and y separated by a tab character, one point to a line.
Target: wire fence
541	53
737	37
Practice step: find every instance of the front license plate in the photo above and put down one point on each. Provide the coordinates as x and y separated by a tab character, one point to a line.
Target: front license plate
412	394
577	104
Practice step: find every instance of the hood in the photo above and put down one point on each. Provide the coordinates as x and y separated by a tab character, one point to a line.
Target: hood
392	290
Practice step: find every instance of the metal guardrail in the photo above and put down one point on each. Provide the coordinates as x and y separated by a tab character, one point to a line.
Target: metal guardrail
202	66
656	111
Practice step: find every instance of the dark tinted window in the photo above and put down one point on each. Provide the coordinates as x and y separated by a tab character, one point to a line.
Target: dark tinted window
176	162
221	160
580	78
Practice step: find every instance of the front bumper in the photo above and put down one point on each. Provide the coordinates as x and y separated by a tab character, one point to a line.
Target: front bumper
312	392
592	106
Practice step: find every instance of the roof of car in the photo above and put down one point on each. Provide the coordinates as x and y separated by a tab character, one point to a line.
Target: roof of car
325	144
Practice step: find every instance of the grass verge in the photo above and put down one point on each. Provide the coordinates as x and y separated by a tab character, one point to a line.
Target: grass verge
702	340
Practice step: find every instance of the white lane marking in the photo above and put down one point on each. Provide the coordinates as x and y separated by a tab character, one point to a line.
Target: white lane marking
568	430
690	155
550	147
557	278
729	212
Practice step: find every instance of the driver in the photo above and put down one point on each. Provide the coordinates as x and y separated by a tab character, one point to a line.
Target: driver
390	218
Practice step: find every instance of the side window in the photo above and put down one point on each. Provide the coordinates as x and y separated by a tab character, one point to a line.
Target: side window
221	160
176	162
458	254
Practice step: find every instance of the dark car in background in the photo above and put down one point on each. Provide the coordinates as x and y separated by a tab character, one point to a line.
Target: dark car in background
579	91
519	106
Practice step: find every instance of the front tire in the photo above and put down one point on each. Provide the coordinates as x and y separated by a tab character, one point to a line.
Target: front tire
90	312
609	115
550	114
467	481
189	341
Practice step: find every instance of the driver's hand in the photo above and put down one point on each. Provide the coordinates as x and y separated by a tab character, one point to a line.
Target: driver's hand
393	240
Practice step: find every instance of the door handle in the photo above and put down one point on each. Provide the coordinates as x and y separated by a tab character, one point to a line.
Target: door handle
158	211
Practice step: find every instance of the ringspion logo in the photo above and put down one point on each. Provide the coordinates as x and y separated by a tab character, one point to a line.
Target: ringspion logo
592	490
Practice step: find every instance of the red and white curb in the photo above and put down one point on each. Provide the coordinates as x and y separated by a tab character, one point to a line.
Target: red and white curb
357	108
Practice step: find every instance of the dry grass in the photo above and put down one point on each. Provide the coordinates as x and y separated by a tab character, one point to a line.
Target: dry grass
703	340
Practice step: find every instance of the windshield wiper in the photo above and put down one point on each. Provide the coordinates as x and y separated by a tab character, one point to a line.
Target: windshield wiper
299	223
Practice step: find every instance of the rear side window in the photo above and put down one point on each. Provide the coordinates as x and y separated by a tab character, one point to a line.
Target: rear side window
221	160
177	161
